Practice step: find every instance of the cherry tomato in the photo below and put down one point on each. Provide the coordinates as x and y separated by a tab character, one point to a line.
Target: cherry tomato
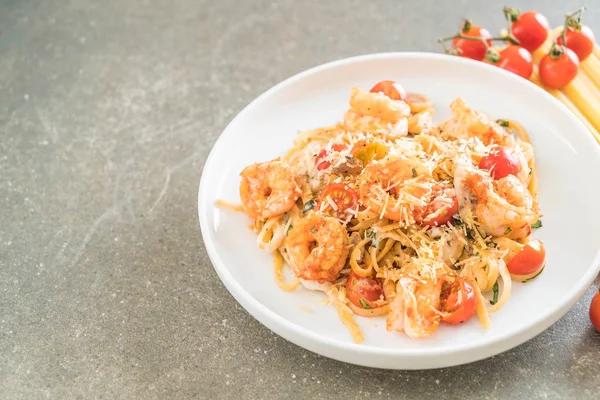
441	208
321	165
458	298
531	29
581	42
501	161
595	311
529	259
391	89
473	49
363	292
343	196
517	60
557	71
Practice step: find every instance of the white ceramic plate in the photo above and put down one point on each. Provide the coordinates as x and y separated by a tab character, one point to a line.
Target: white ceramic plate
569	167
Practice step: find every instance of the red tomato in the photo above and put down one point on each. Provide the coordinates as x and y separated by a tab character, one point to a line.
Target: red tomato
458	298
529	259
501	161
581	42
363	292
343	196
321	165
391	89
557	71
531	29
473	49
517	60
595	311
441	208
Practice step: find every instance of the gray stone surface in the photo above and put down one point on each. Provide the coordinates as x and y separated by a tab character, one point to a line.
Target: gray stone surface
108	110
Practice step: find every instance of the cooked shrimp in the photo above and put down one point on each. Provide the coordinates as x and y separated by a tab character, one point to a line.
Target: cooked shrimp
378	105
394	187
317	247
413	310
512	189
503	207
466	122
356	122
268	189
420	123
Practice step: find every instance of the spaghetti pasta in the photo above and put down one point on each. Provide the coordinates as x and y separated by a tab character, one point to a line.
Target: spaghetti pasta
392	216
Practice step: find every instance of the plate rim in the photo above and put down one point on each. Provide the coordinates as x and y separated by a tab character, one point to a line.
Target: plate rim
285	328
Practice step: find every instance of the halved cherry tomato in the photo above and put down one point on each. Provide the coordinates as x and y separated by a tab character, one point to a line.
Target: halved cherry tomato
363	292
321	165
367	152
595	311
501	161
343	196
580	41
531	29
473	49
529	259
559	68
517	60
441	208
391	89
458	299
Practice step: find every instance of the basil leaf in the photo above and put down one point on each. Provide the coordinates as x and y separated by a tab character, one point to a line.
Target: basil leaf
537	224
372	234
507	231
457	219
533	277
309	205
495	289
364	304
503	123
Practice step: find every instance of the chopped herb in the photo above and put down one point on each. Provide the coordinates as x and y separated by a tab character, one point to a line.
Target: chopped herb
288	229
414	171
364	304
503	123
495	289
533	277
309	205
372	234
313	229
537	224
457	219
469	236
507	231
530	171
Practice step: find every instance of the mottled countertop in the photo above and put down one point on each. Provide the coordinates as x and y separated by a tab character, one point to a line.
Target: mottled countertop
108	110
